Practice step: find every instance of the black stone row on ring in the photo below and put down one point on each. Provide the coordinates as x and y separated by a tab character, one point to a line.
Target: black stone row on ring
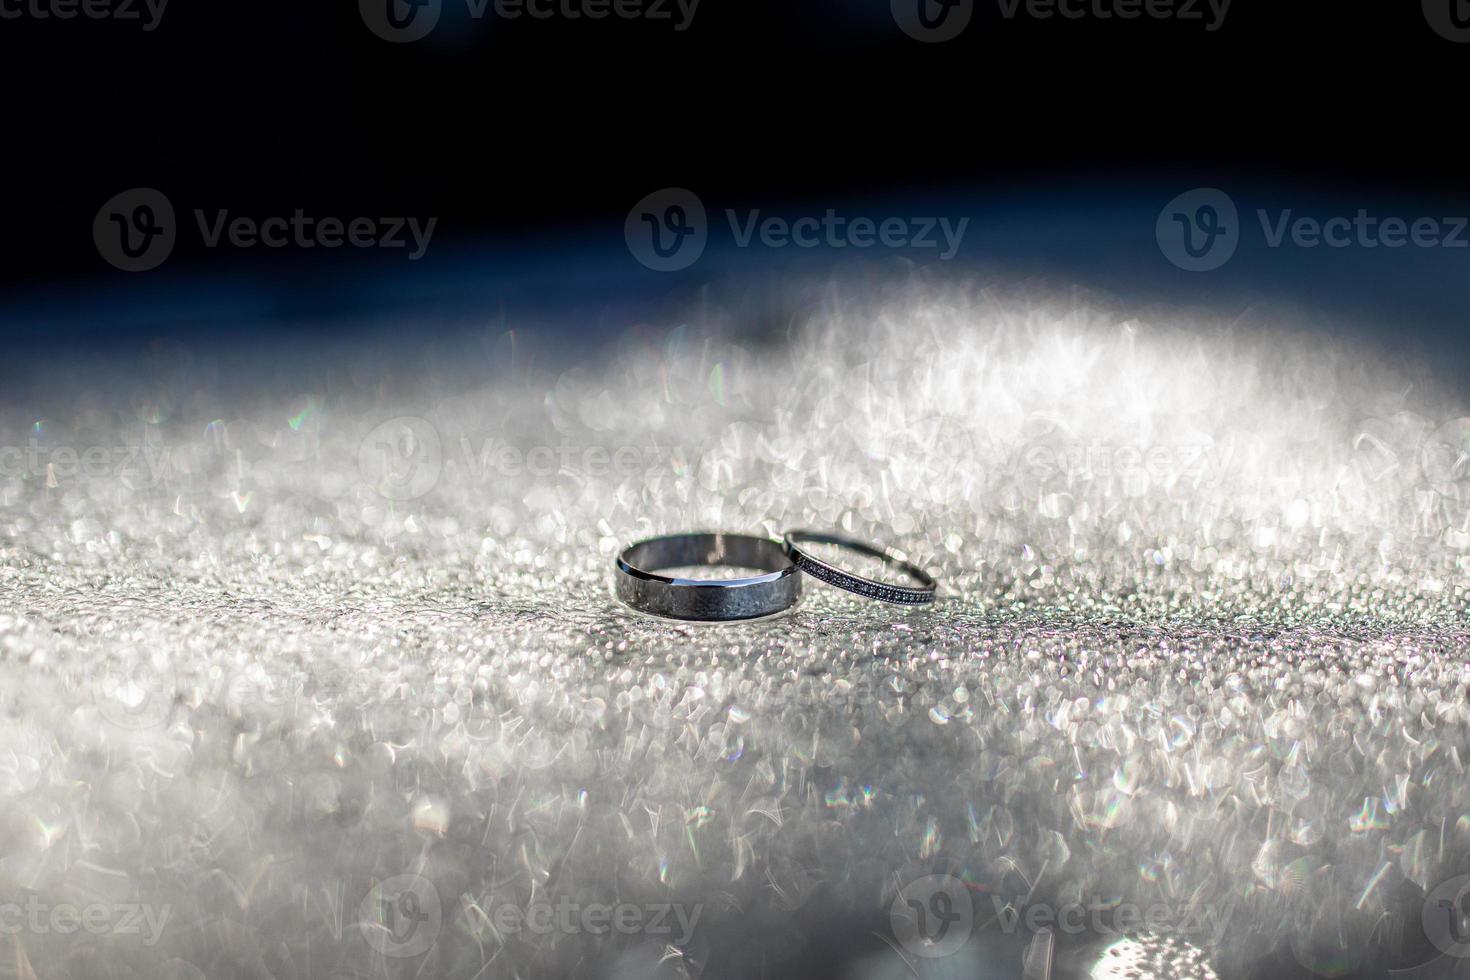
869	590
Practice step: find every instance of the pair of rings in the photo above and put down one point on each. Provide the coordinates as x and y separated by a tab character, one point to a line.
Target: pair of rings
777	589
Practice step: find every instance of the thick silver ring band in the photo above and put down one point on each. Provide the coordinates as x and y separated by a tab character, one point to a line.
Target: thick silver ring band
713	600
866	587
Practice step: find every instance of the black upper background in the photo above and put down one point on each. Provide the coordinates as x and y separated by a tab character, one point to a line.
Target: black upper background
504	126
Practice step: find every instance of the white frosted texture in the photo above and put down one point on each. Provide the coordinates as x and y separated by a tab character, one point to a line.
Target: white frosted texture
1201	641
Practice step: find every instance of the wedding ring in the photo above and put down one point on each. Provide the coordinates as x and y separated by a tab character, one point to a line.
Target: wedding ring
866	587
708	600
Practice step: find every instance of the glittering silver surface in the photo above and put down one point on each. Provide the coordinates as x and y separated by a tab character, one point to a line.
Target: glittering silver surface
327	682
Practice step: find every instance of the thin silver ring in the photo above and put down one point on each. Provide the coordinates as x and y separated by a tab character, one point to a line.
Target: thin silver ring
866	587
708	600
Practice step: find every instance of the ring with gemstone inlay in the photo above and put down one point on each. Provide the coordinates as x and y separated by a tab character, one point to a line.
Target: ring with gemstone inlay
869	588
708	600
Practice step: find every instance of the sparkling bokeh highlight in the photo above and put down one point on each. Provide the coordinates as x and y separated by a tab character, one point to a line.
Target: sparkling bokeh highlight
1200	646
